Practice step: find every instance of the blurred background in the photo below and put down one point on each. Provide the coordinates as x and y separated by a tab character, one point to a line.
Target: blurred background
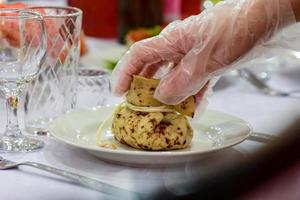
116	18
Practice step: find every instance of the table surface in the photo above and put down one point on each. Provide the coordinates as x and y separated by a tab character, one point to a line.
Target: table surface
264	113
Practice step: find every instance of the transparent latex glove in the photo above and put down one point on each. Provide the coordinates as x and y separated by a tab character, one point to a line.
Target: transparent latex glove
202	46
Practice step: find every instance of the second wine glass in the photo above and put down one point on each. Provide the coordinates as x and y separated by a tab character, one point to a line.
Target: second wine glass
22	51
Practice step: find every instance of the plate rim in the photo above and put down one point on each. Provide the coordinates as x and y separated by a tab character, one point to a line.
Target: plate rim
138	152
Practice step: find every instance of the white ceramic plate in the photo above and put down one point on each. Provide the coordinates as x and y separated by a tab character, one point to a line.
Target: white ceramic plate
214	131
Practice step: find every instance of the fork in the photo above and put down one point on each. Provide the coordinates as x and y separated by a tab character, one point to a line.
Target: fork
263	87
80	179
262	137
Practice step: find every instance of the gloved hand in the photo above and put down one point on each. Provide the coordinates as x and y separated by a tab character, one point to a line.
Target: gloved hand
202	46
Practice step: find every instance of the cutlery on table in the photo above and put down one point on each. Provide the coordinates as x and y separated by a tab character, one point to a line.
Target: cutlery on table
260	84
261	137
80	179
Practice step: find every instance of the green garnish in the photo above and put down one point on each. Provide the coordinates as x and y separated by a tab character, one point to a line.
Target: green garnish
110	64
153	31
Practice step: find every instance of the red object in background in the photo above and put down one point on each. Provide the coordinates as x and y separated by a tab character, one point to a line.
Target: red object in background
135	14
12	6
190	7
99	17
10	31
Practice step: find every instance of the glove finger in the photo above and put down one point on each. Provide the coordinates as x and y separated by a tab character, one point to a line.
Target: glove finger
151	70
200	95
201	101
139	56
182	81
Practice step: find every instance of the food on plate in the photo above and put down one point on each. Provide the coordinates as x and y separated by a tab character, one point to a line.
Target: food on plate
151	130
141	93
144	123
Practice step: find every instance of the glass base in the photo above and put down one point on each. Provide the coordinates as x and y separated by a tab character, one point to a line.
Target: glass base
38	127
35	131
19	144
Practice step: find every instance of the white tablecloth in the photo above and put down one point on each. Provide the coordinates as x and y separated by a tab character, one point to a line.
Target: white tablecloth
264	113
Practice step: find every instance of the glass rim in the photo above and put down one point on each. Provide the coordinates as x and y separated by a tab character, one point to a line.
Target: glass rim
77	11
30	14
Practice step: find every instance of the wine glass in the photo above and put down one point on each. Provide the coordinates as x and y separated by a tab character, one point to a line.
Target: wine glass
53	92
22	51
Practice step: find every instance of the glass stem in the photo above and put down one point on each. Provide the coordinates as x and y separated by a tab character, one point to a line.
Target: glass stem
12	126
